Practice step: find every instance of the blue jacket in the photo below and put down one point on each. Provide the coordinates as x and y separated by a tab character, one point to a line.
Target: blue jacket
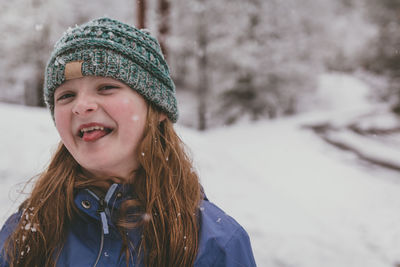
94	241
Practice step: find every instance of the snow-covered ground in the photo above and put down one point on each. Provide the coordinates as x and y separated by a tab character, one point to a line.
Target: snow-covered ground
303	202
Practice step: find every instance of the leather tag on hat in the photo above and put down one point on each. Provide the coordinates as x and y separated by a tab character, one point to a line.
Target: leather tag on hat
73	70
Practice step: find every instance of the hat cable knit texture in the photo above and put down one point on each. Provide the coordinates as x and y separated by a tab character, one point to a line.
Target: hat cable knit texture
110	48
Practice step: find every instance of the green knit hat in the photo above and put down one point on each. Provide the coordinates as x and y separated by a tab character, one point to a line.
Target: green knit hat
109	48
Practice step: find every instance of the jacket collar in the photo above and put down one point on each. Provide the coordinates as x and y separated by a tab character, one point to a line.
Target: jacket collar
92	202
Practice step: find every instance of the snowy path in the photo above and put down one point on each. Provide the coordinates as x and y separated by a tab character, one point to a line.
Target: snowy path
301	204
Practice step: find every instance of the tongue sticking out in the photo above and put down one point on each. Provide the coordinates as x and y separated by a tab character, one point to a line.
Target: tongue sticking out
93	135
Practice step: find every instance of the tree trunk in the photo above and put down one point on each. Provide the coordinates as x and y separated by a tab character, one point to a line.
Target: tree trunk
202	61
163	28
34	86
141	13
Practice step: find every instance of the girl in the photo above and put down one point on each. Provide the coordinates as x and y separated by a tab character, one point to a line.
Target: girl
120	190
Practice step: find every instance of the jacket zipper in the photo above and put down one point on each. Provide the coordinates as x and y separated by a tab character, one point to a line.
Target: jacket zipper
100	249
102	211
104	230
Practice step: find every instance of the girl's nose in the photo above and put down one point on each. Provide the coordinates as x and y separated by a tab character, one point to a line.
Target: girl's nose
84	105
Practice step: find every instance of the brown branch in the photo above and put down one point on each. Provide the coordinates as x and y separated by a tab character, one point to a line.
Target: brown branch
322	129
373	131
362	156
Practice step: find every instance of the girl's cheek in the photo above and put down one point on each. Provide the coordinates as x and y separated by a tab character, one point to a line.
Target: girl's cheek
58	120
126	101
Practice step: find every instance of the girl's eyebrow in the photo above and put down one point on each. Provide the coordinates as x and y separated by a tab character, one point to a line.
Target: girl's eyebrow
62	89
96	78
101	80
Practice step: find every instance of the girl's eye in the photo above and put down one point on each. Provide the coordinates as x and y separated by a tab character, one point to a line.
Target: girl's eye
107	87
65	96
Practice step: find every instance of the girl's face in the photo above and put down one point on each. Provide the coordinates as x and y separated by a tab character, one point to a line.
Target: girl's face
101	122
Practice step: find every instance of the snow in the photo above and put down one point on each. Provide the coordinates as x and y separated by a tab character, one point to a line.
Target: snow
301	206
303	202
341	92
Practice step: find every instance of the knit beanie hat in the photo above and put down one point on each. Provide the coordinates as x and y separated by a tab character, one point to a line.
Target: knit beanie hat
109	48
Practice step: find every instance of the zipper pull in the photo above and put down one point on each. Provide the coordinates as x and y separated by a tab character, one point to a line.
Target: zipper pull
101	211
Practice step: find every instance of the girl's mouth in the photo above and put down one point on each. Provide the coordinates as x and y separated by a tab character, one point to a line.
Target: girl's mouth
93	133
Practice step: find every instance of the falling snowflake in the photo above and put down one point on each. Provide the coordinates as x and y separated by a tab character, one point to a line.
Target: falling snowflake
135	117
39	27
33	228
28	226
146	217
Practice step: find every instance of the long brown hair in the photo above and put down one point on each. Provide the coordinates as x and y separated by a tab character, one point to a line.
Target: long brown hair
167	193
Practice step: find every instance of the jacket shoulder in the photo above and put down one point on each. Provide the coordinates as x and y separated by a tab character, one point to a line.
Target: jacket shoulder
7	229
223	241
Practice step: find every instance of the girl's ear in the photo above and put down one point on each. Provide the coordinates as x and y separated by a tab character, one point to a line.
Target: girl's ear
163	117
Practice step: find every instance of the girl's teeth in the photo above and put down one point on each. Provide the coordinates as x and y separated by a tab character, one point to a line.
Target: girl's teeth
92	128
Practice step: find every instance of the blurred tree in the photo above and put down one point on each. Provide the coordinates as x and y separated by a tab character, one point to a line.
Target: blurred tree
245	96
141	13
26	43
189	43
163	27
40	44
202	61
386	57
274	60
263	57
